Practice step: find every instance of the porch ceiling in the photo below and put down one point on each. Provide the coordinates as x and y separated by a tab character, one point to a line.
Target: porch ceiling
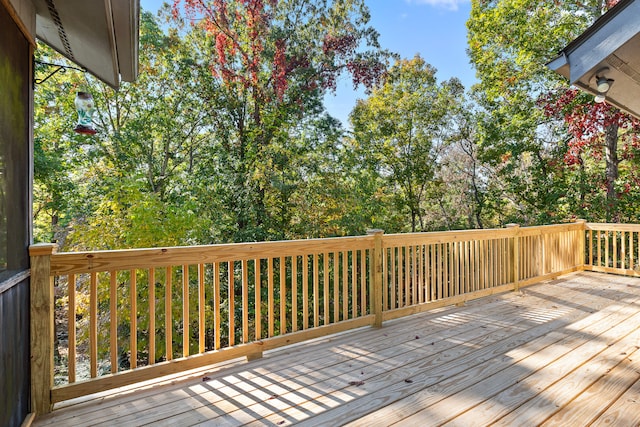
612	42
101	36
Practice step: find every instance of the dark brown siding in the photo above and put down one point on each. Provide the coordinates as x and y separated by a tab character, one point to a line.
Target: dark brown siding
15	135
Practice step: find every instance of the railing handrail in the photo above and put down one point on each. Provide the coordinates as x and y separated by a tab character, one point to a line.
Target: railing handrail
124	259
605	226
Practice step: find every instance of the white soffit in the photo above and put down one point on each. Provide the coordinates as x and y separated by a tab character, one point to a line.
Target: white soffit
99	35
613	41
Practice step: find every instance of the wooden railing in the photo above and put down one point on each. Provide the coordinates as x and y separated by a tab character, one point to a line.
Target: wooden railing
613	248
133	315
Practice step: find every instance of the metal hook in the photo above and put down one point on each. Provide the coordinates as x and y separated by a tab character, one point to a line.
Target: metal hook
59	68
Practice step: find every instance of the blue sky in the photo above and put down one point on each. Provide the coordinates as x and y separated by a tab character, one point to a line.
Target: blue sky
433	28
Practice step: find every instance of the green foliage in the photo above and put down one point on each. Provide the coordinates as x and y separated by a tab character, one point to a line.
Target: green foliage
401	134
222	141
510	41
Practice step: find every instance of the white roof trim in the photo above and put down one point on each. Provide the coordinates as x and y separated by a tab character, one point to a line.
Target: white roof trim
100	36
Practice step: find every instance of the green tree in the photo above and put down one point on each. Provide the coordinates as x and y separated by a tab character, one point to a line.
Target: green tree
510	41
151	133
401	130
272	62
59	153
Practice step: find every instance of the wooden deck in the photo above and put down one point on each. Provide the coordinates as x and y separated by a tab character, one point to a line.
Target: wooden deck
564	353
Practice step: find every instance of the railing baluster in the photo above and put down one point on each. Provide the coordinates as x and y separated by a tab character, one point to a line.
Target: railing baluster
294	293
614	242
438	271
496	262
599	250
393	301
452	266
258	293
466	255
590	247
386	292
113	320
217	318
400	278
486	263
316	291
133	320
283	296
201	309
345	285
168	322
336	289
71	330
631	262
414	274
325	289
363	282
606	248
475	259
505	259
623	250
245	301
93	325
231	303
305	292
231	298
185	311
152	316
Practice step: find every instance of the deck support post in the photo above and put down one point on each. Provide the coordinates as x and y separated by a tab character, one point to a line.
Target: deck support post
377	283
515	255
582	241
42	327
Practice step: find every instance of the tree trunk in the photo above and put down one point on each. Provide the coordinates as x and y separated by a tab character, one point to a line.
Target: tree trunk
611	157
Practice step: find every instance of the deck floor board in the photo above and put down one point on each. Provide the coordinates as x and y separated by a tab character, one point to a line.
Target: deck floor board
565	352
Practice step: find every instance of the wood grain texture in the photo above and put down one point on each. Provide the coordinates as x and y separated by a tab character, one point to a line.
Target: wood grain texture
71	327
113	321
41	300
65	263
388	276
520	358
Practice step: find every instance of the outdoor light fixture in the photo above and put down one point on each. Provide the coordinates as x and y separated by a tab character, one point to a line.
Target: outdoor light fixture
603	84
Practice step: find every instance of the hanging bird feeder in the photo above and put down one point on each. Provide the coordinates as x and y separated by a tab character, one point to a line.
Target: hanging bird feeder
85	107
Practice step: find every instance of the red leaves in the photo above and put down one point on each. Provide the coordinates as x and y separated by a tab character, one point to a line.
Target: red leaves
344	45
280	69
366	73
611	3
221	47
586	122
254	52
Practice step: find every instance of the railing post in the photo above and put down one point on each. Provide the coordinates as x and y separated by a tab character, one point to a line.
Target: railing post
377	282
42	327
515	255
582	251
